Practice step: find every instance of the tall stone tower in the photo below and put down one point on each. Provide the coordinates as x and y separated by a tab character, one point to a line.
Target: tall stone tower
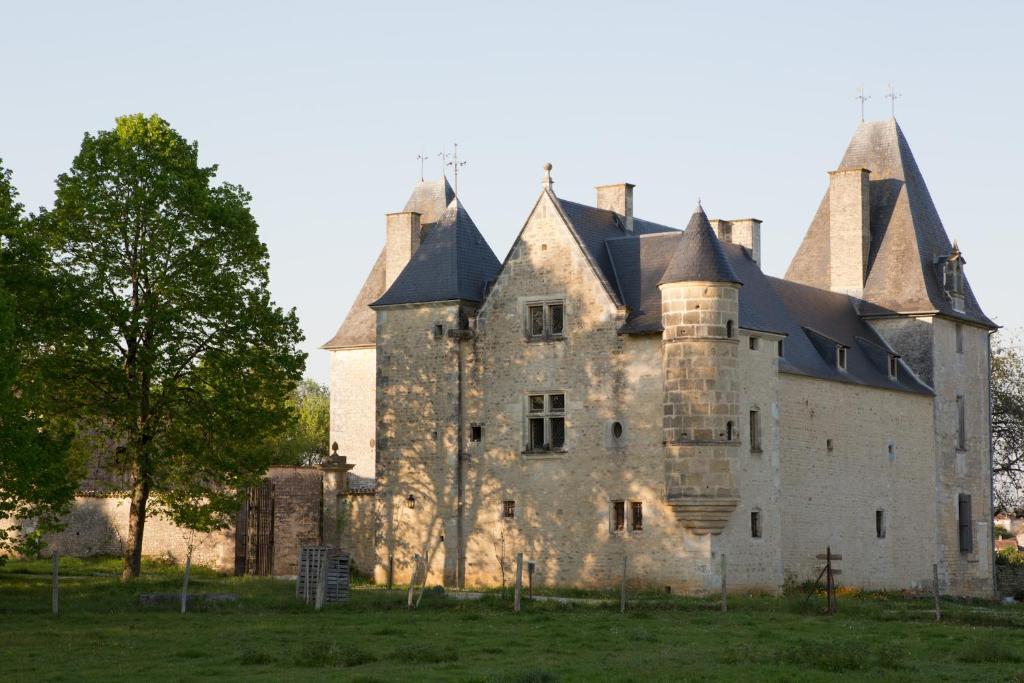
700	315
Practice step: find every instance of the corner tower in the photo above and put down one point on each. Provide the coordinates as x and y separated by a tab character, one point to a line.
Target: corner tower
700	316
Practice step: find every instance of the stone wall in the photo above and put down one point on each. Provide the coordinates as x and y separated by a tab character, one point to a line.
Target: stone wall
929	346
297	520
417	440
830	497
99	526
1009	580
353	409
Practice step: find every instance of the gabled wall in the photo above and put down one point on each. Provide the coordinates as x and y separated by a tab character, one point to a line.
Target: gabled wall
353	409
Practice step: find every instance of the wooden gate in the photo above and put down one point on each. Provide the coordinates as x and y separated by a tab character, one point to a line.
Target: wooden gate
254	533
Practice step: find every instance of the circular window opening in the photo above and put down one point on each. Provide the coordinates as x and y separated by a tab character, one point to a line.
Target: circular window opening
617	430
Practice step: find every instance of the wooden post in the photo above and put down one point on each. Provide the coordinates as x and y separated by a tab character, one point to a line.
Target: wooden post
622	592
391	571
412	579
935	591
55	599
184	585
321	583
725	606
519	581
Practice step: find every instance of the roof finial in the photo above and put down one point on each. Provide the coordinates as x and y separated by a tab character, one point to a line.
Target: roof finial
892	97
548	182
863	98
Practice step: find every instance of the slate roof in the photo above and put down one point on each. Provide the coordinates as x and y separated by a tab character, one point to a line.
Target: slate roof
766	305
905	231
698	255
429	198
453	262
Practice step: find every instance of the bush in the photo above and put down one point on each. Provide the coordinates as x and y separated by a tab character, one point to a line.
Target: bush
1010	556
1000	532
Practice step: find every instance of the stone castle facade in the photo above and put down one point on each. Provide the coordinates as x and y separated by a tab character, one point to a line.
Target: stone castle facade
616	388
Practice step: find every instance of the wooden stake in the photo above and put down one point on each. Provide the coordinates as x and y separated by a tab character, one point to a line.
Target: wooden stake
184	585
321	584
935	591
56	583
519	581
622	592
412	579
725	606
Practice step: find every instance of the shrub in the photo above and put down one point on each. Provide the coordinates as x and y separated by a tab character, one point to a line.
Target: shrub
1010	556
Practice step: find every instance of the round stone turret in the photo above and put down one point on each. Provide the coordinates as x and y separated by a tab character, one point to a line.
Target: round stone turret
700	321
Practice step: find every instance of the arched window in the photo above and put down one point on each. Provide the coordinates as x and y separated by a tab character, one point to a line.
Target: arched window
728	329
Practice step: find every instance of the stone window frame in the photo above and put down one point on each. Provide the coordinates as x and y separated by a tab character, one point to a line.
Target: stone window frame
894	365
960	338
476	432
781	349
881	523
754	342
625	516
961	422
756	433
756	523
841	357
549	414
547	305
508	510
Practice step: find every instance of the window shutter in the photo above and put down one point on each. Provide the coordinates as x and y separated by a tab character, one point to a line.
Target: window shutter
966	538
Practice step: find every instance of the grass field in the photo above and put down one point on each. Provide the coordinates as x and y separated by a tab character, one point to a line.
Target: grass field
103	633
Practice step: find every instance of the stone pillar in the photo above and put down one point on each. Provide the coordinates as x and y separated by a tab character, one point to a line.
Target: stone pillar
618	198
701	401
849	207
335	470
403	239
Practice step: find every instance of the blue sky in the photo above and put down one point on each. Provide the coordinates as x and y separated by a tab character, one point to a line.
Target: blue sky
320	110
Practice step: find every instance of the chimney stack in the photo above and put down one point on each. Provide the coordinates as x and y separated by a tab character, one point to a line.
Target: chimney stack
618	198
849	207
403	238
745	232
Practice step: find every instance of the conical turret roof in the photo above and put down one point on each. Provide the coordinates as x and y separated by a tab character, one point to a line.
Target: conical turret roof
699	256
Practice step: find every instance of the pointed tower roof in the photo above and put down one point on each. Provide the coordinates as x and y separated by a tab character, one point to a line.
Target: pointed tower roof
699	255
429	198
454	262
908	240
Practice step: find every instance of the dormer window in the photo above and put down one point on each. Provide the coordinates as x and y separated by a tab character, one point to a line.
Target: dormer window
953	277
841	357
894	365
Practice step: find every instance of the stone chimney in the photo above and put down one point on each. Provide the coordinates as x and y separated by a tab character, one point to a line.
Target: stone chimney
403	238
617	198
745	232
849	209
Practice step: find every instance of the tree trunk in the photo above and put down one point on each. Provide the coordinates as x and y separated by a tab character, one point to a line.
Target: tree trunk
136	525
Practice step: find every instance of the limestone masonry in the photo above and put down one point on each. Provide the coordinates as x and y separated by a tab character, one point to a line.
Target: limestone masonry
616	388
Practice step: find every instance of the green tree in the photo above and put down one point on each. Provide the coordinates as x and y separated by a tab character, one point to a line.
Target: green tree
38	471
1008	424
304	440
168	342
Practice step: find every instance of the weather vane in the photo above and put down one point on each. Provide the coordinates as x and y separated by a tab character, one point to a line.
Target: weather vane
421	159
453	161
863	98
892	97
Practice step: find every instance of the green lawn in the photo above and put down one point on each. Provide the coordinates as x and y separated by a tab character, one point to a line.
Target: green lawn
104	634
